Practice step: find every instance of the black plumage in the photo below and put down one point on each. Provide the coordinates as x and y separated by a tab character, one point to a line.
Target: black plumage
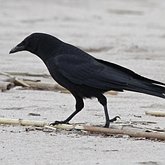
83	75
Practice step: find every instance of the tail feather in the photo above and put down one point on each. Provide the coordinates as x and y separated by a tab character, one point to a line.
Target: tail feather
147	80
138	83
147	86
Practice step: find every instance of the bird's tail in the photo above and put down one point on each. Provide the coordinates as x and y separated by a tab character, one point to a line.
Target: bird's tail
136	82
147	86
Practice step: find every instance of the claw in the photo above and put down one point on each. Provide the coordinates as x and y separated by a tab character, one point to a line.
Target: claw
114	119
107	124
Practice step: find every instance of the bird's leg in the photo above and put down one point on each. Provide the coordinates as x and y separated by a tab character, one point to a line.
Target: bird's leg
102	99
108	121
79	106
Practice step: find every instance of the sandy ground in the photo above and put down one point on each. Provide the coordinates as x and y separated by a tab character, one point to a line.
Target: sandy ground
130	33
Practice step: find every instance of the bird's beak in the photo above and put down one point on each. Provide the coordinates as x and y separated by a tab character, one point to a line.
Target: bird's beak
17	49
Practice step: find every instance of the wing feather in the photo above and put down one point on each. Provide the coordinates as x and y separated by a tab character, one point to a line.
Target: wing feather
90	72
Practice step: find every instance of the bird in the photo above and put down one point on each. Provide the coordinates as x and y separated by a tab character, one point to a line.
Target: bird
84	75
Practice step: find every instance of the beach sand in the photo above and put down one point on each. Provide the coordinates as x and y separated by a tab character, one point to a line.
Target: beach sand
129	33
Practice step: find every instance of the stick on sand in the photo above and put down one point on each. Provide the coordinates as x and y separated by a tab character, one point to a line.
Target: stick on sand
92	129
155	113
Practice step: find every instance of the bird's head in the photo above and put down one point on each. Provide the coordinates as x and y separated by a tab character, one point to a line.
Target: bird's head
30	43
40	44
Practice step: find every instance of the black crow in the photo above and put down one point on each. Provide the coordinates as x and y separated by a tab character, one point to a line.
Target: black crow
83	75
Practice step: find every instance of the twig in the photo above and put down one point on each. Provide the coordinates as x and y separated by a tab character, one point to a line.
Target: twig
45	86
15	80
20	82
155	113
121	130
22	122
126	131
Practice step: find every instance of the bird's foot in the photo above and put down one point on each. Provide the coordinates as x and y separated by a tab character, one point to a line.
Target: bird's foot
107	124
114	119
59	122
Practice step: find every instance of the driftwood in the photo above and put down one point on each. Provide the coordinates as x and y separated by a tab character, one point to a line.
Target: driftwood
31	83
114	130
126	131
22	122
155	113
43	86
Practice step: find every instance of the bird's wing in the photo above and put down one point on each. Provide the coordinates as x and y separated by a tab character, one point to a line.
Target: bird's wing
88	71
